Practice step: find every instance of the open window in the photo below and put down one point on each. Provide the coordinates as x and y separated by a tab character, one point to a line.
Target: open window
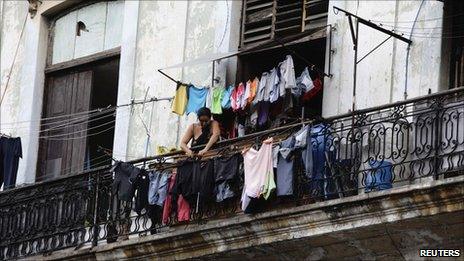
72	127
254	64
301	25
82	74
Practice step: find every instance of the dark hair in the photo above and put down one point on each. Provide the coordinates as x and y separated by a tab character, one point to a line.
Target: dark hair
203	111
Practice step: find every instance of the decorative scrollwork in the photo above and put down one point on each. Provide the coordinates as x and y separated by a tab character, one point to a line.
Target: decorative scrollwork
372	150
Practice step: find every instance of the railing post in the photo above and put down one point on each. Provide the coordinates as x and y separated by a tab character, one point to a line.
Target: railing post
95	211
438	129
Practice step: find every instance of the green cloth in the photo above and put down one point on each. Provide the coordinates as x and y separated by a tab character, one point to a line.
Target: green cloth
216	99
270	185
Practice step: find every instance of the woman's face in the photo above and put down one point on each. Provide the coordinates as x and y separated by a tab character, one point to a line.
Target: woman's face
204	120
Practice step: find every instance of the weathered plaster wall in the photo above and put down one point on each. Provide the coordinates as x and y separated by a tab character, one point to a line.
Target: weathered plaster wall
171	32
23	98
103	23
13	15
154	34
381	76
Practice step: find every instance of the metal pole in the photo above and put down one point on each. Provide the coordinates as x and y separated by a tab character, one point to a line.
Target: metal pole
149	132
212	76
95	212
355	68
330	50
302	115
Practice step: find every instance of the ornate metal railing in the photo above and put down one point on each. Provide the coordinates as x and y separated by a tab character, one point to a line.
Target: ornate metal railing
372	149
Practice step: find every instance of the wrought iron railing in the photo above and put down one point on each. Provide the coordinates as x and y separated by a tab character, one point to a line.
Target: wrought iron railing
372	149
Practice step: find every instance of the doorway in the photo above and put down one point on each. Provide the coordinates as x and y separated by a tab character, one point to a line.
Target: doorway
77	119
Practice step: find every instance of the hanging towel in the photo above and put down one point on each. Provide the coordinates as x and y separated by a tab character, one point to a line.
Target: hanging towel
197	98
180	100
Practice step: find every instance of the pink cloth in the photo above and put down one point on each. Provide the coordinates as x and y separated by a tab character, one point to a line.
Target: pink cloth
236	97
258	166
183	209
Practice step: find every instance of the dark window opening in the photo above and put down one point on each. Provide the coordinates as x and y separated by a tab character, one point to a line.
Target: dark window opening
453	42
105	86
70	144
252	65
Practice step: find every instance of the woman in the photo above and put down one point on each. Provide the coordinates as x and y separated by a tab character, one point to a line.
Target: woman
205	132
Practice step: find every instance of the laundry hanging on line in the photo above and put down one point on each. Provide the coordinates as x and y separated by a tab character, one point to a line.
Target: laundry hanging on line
10	152
194	186
270	87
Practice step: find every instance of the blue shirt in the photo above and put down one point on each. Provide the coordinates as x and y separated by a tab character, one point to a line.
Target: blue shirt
225	103
196	98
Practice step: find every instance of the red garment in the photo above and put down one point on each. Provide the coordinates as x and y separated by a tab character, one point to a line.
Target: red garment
314	91
183	207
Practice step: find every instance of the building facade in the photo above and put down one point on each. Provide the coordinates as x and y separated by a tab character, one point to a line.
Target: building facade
134	33
67	57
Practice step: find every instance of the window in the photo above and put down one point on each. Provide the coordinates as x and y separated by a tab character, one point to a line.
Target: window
265	20
453	42
85	31
81	76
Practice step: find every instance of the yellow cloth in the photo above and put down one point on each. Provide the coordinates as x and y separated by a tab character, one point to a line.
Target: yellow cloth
180	100
160	150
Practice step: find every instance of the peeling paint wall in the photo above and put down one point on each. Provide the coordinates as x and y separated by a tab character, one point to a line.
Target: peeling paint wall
171	32
381	76
13	15
103	23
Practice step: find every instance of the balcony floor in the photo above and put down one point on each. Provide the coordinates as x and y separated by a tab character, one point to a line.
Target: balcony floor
386	225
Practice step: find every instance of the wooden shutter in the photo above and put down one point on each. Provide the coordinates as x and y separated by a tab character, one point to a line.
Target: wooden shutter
257	21
64	153
289	16
315	13
265	20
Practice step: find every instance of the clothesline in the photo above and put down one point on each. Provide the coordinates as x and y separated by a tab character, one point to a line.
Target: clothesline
83	114
106	115
217	57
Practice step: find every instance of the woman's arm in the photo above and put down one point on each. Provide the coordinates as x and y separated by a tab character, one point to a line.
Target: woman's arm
213	139
186	139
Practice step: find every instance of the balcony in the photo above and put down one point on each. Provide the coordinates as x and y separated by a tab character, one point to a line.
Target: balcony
392	174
